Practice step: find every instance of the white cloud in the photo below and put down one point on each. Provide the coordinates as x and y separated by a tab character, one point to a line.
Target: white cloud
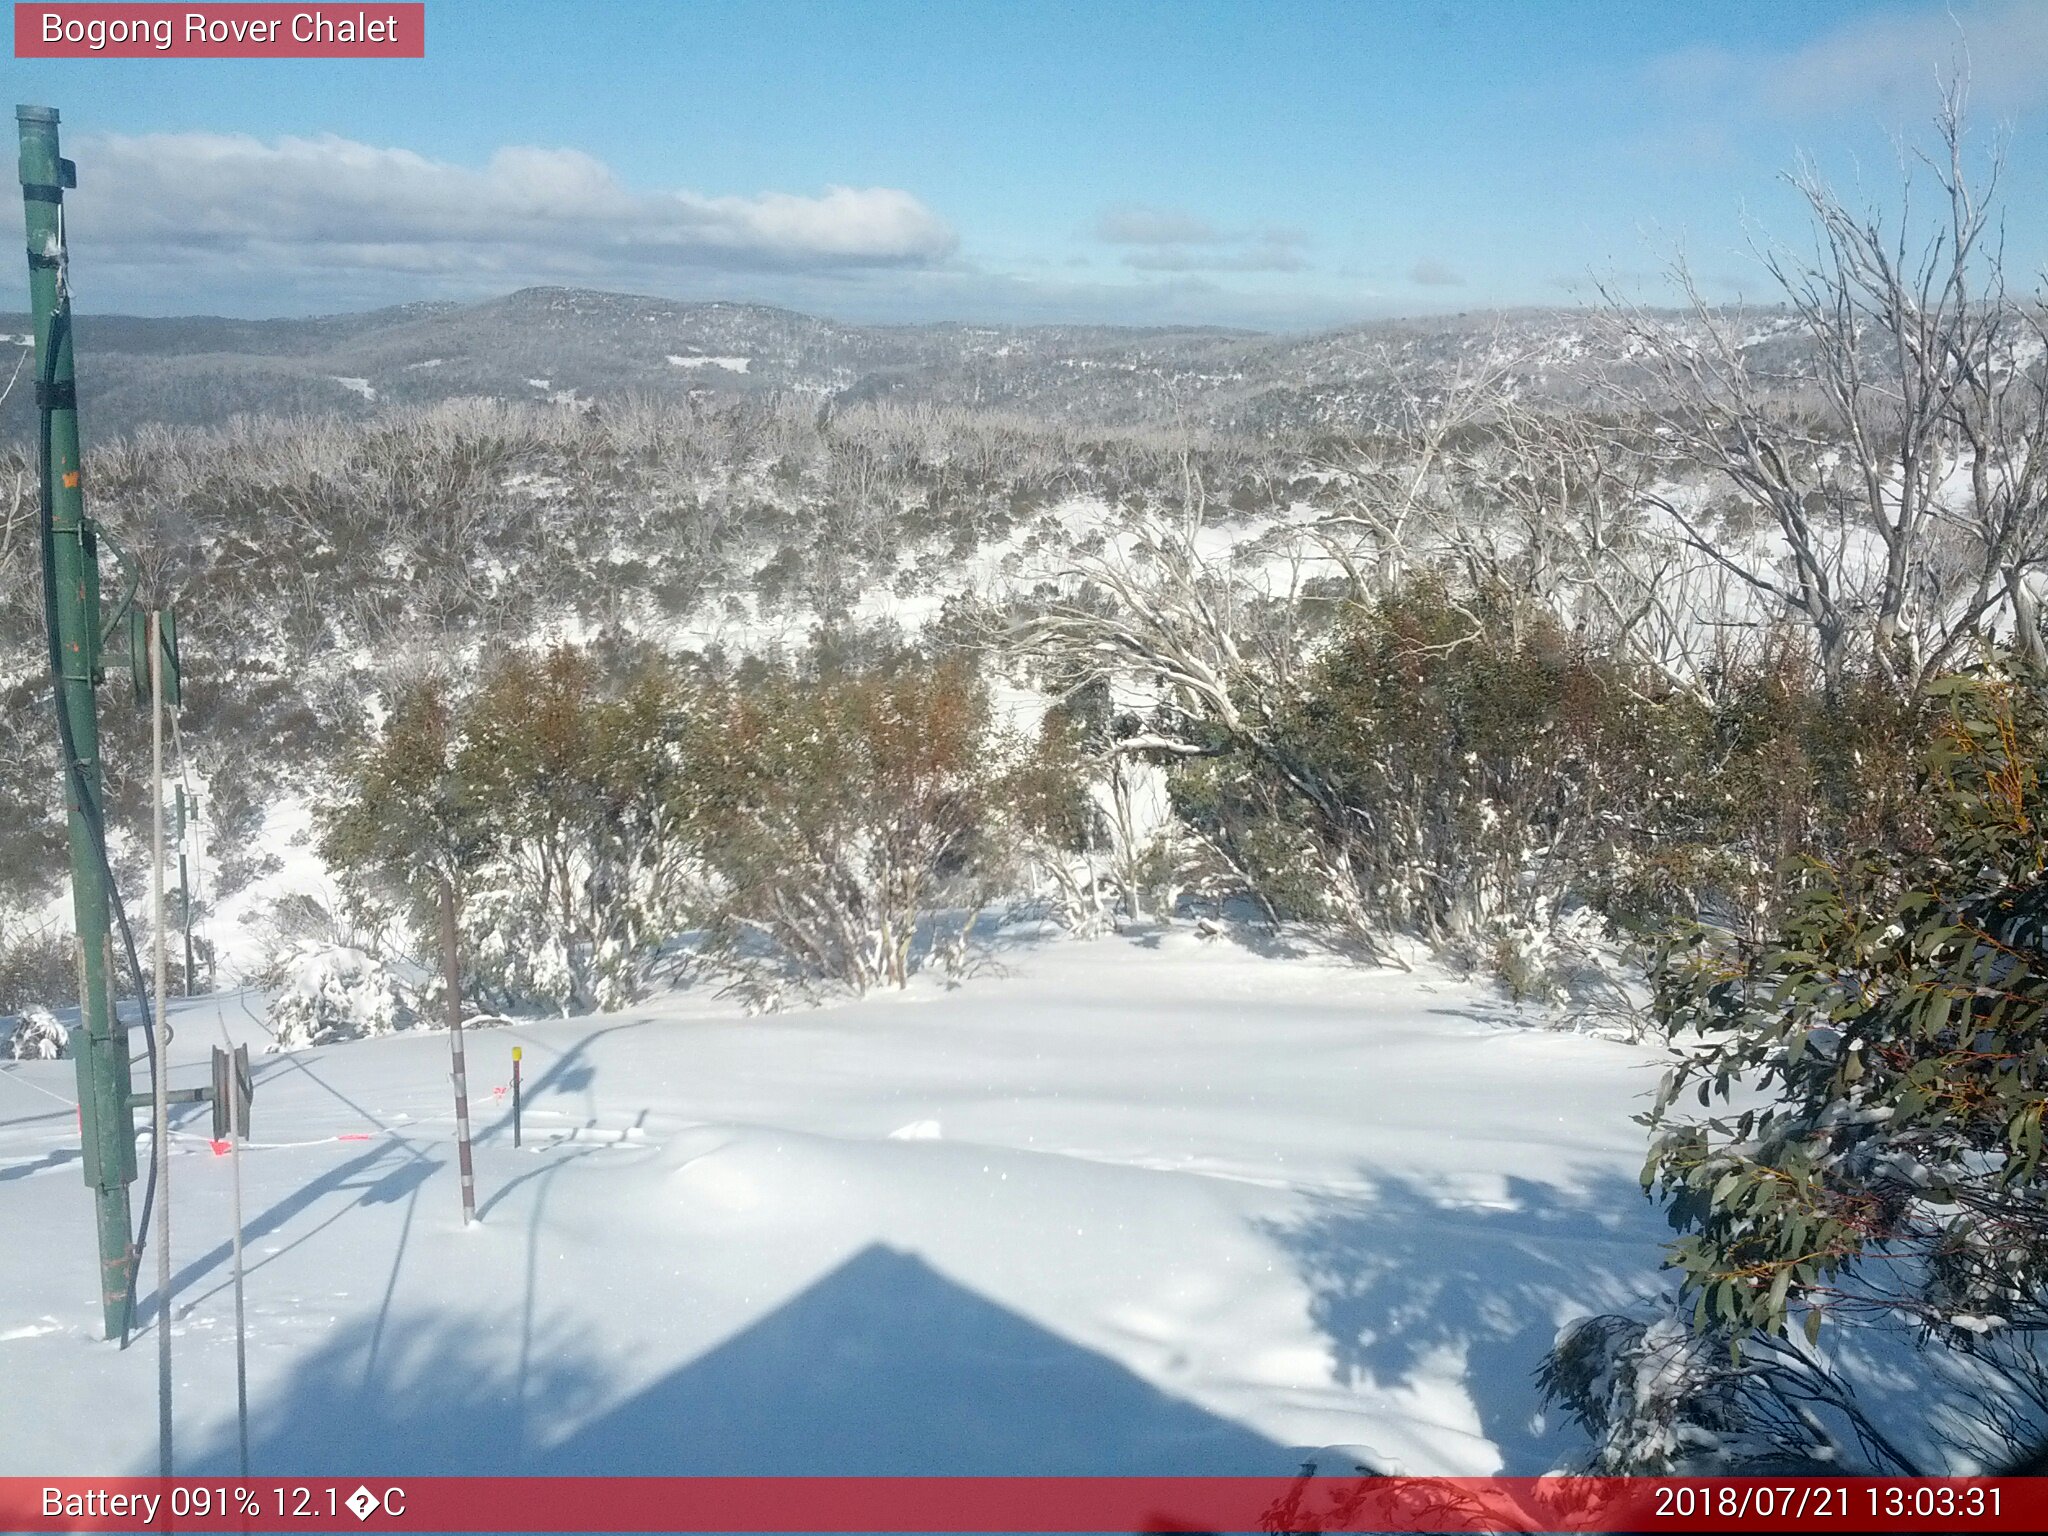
1431	273
1896	56
1266	256
332	204
1138	224
184	223
1174	240
1879	60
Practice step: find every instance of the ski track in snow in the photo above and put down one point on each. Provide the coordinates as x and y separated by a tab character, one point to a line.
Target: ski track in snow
1137	1205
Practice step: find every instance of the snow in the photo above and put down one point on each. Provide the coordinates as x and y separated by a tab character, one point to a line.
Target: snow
1138	1204
36	1036
359	386
240	925
331	992
729	364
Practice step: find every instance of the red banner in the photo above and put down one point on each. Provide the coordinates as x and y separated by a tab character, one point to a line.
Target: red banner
211	31
1214	1504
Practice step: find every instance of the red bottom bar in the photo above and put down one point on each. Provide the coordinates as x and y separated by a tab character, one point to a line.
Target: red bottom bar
948	1504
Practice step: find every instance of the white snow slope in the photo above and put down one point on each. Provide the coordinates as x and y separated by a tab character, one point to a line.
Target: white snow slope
1138	1205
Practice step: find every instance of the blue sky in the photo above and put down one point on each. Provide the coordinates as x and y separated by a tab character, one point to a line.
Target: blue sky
1279	164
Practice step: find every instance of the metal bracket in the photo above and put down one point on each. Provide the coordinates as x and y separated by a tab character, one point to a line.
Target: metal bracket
171	1096
234	1090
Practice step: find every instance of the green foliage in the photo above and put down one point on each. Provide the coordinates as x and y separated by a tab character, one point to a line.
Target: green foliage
1893	1027
1446	764
38	968
407	820
1463	767
834	810
1046	789
541	798
587	813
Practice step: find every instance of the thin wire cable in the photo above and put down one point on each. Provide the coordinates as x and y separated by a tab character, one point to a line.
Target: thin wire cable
162	1149
15	1077
89	808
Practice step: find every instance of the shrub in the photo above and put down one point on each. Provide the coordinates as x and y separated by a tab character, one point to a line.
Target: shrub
37	1036
1462	767
1896	1022
37	969
331	992
1658	1399
1887	1043
839	812
547	796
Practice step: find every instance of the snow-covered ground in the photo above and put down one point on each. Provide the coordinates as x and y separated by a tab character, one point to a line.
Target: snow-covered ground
1135	1205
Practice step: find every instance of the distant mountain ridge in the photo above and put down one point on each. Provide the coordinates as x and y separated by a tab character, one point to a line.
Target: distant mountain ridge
572	346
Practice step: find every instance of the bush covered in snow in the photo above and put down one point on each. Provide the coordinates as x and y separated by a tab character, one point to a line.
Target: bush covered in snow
38	967
332	992
516	954
1660	1399
840	813
550	796
37	1036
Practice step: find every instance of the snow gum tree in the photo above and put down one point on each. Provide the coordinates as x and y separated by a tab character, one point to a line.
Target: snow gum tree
547	796
1895	471
1873	1081
405	823
407	819
837	810
576	769
1898	1020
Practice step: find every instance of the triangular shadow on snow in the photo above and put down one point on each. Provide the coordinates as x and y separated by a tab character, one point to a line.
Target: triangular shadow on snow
883	1366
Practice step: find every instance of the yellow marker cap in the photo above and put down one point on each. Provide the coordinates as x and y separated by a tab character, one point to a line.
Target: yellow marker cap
515	1053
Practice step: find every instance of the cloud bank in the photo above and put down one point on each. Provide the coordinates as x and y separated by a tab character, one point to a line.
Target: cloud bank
330	204
181	223
1885	59
1175	240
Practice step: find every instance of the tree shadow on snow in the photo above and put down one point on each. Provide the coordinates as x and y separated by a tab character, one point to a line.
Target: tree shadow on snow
1406	1283
570	1073
884	1366
370	1176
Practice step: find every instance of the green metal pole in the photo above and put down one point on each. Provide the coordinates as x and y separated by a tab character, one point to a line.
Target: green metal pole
103	1077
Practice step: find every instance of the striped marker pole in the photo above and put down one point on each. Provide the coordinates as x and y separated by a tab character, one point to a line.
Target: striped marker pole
451	971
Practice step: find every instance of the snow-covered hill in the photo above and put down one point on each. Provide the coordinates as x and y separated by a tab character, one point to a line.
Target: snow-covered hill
540	344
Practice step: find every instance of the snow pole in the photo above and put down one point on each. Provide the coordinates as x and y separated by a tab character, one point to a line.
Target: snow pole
72	617
451	971
241	1319
160	1069
515	1095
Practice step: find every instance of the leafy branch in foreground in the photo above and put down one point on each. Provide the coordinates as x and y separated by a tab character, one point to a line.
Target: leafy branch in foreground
1894	1033
1867	1145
